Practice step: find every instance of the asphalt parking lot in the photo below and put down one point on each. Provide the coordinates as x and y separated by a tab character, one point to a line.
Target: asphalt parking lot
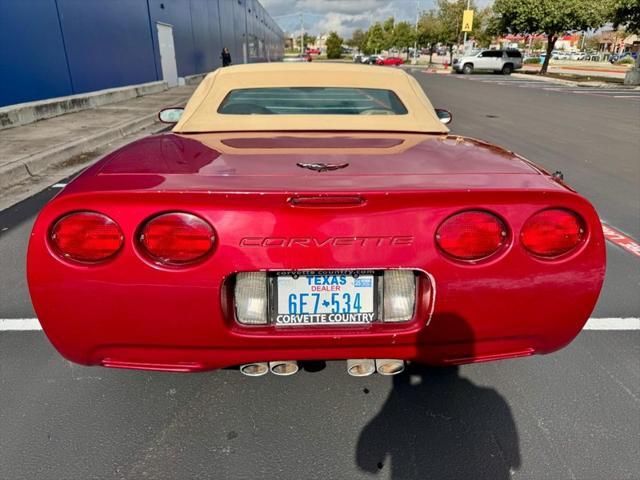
574	414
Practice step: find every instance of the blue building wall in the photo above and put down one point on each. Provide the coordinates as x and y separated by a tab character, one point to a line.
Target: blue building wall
26	70
52	48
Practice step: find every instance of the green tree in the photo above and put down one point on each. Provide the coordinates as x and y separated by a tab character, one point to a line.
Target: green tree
626	13
429	31
537	45
388	28
482	32
404	36
550	17
358	39
375	38
334	45
308	39
450	16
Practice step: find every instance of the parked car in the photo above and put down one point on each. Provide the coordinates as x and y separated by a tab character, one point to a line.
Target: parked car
313	51
616	57
395	61
504	61
309	212
305	57
372	59
362	58
577	56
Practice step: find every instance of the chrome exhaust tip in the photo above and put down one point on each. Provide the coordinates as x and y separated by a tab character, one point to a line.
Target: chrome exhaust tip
254	369
283	367
389	366
360	367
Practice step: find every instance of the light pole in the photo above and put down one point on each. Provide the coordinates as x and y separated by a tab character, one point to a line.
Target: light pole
301	35
464	42
415	43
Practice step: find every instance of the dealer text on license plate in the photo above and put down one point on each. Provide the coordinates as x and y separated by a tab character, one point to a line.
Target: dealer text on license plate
324	298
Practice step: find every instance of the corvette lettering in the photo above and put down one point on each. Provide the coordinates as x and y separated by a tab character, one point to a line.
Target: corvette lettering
325	242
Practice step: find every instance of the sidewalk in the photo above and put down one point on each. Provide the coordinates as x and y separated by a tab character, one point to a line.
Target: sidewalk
584	69
39	154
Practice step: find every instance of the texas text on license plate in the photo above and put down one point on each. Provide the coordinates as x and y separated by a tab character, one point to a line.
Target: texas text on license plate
324	298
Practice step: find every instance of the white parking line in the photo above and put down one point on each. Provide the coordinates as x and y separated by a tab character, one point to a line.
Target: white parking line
32	324
613	324
19	324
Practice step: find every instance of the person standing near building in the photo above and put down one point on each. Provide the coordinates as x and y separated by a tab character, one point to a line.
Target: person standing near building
226	57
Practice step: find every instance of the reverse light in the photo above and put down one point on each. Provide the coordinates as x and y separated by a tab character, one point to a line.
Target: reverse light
471	235
399	295
177	238
551	233
87	237
251	298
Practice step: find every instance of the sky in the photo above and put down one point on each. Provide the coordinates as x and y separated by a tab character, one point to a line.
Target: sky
343	16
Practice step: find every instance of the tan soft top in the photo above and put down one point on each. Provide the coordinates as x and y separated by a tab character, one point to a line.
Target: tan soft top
201	115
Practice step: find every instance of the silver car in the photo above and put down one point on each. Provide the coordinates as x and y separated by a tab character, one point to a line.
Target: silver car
503	61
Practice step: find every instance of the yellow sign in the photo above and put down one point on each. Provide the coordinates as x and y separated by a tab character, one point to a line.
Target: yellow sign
467	21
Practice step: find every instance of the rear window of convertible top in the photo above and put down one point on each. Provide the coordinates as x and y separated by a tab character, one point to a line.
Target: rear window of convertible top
311	101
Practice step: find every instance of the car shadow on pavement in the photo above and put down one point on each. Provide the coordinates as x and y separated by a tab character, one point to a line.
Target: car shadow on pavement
436	424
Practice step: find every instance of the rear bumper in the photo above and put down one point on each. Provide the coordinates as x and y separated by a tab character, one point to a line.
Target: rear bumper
185	328
179	342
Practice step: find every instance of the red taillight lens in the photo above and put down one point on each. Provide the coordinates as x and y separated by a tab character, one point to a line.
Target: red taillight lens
551	233
177	238
86	237
471	235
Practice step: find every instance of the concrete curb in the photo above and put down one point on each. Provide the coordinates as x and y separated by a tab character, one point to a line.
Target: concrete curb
29	112
195	79
593	83
31	165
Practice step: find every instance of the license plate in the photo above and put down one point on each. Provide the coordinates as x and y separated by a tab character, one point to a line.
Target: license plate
324	298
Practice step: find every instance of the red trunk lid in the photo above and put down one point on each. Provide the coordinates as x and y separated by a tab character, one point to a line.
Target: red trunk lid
312	162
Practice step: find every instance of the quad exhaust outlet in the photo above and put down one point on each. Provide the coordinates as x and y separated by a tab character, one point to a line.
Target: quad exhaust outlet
389	366
361	367
254	369
283	368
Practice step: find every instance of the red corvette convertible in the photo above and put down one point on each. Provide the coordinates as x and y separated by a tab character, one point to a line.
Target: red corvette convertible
312	212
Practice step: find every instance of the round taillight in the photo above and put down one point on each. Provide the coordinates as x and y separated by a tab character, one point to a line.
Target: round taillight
471	236
551	233
177	238
86	237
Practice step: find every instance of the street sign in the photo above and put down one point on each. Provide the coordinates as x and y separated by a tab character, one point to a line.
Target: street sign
467	21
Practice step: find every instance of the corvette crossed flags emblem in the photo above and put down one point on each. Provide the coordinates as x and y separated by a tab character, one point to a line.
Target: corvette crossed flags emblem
323	167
